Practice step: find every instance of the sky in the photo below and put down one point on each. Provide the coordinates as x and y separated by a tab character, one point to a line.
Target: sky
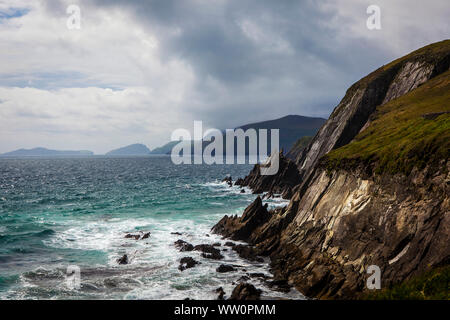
137	70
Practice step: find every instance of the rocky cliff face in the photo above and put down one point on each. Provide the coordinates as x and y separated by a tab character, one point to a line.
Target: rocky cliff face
341	220
361	99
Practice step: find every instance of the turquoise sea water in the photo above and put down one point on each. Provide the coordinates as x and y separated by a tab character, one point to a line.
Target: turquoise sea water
76	211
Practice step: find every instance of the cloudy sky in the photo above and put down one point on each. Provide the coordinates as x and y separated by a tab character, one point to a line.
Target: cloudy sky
137	70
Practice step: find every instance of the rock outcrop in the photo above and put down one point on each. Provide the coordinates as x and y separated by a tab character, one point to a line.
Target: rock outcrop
348	216
245	291
281	183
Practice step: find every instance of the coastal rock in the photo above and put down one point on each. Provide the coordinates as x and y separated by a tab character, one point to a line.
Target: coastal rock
225	268
209	252
287	177
228	180
221	293
186	263
123	259
182	245
241	228
245	291
132	236
341	220
138	236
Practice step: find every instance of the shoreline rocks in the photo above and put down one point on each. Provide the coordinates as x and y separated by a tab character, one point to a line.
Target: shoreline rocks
186	263
182	245
225	268
245	291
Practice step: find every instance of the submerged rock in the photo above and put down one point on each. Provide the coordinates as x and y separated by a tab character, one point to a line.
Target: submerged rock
132	236
138	236
225	268
123	259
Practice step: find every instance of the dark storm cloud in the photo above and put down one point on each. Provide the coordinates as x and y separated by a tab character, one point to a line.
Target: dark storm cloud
291	45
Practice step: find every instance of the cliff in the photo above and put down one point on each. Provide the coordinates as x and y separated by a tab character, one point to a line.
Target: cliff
372	188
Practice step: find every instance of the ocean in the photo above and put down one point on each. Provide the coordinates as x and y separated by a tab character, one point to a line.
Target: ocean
61	212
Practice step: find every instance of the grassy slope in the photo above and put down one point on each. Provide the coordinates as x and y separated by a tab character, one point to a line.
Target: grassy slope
398	137
298	146
432	285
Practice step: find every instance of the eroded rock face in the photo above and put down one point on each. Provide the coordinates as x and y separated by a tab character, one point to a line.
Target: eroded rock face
346	222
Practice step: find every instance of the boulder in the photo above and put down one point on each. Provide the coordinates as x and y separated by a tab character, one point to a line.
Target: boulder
225	268
123	259
183	245
245	291
208	251
186	263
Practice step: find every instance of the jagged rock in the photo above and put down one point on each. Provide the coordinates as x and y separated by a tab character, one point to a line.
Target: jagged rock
225	268
239	182
186	263
176	233
230	244
132	236
221	293
339	222
228	180
241	228
209	252
216	244
183	245
287	176
245	291
123	259
140	236
242	191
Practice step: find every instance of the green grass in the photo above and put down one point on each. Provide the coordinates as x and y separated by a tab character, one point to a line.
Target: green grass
432	285
398	138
